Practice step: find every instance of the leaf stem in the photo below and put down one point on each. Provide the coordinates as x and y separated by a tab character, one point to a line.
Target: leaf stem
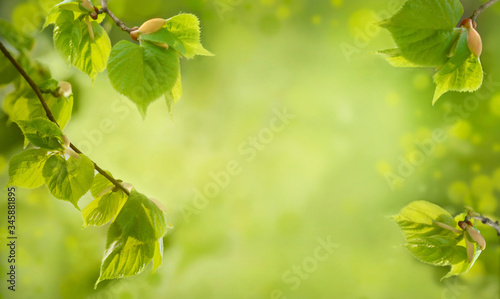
482	8
49	113
488	221
119	23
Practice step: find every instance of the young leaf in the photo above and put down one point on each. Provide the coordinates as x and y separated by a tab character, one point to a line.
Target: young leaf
68	179
163	36
424	31
73	40
125	256
173	96
417	220
28	108
396	59
25	168
462	72
42	132
103	209
430	241
66	5
142	73
437	250
186	27
134	239
141	219
158	256
99	184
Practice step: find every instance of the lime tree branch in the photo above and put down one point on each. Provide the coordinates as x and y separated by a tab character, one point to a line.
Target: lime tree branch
482	8
50	115
30	82
488	221
119	23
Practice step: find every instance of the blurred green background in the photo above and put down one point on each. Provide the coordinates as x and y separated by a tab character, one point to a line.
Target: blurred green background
322	177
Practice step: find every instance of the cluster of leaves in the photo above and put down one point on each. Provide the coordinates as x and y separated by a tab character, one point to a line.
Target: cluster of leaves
426	35
142	72
138	224
434	237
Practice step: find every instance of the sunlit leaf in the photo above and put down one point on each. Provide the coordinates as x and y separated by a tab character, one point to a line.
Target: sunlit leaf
424	31
68	179
394	57
143	72
134	238
163	36
103	209
462	72
431	242
42	132
74	42
141	218
125	256
186	27
25	168
173	96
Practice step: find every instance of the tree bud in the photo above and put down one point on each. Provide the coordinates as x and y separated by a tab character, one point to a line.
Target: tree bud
64	89
152	26
87	5
474	42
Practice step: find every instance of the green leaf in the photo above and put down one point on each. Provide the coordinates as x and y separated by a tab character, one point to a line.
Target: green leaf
25	168
15	37
437	250
73	41
49	86
61	108
134	239
432	243
142	73
173	96
164	36
28	108
125	256
68	179
100	183
141	219
416	220
66	5
186	27
394	57
425	31
463	72
103	209
158	255
42	132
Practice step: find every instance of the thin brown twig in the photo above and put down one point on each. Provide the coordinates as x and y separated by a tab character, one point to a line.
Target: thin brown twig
488	221
119	23
51	116
30	82
482	8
